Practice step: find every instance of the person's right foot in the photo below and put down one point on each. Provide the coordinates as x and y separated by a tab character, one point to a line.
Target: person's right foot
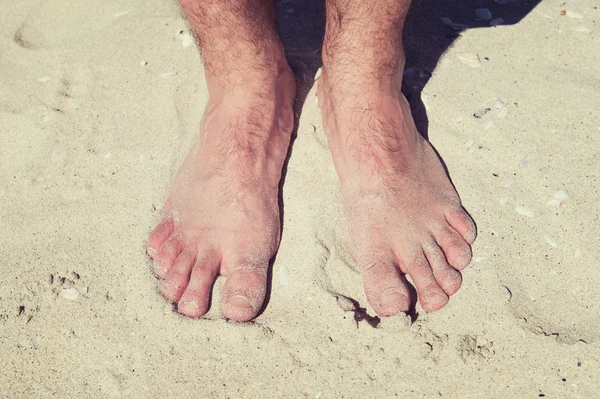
222	214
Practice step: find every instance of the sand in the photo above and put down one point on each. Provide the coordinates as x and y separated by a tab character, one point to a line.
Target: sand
99	102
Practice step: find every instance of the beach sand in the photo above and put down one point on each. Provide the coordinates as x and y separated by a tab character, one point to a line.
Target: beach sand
99	102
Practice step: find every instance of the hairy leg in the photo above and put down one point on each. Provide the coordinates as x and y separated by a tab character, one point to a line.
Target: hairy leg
403	213
222	214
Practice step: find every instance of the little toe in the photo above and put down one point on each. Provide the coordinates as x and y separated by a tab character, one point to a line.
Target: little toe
385	289
431	295
456	249
446	276
196	298
177	279
460	220
158	236
244	293
166	255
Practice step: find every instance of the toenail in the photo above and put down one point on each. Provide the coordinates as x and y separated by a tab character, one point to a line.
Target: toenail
159	268
463	260
152	252
240	301
395	298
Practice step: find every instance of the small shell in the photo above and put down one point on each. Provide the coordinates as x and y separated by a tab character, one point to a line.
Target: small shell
120	14
70	294
469	143
44	79
500	104
470	59
573	14
456	26
503	201
582	29
481	113
283	277
525	161
502	112
523	210
186	39
168	74
409	73
560	195
550	240
553	202
483	13
577	253
447	21
496	21
478	259
143	63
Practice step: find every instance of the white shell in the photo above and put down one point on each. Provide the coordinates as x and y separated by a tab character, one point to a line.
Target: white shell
483	13
503	201
168	74
553	202
283	277
573	14
577	253
560	195
447	21
550	240
120	14
496	21
470	59
186	39
502	112
582	29
44	79
70	294
523	210
525	161
469	143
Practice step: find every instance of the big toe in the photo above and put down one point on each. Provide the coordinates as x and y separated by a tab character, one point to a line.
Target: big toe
244	293
385	289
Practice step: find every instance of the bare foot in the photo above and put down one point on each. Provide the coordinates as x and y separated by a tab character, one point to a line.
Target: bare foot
404	215
222	214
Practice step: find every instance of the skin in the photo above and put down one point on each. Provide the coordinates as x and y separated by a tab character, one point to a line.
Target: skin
222	215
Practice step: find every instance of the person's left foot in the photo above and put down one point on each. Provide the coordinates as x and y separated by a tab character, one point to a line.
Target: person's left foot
403	214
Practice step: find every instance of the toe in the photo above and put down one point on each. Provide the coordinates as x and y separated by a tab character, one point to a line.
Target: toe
456	249
460	220
446	276
431	295
196	298
244	292
159	235
166	255
385	289
177	279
